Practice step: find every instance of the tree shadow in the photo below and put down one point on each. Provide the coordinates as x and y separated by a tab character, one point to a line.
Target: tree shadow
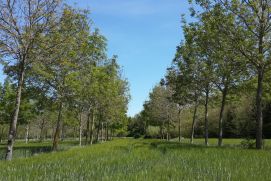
26	151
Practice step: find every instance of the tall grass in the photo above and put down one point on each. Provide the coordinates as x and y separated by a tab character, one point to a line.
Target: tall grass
130	159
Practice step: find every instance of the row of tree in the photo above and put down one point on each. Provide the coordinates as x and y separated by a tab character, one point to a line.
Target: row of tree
225	54
58	72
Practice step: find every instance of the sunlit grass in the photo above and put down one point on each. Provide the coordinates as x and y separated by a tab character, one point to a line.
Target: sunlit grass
130	159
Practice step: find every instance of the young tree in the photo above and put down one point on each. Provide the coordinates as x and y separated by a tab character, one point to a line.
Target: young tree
59	68
21	24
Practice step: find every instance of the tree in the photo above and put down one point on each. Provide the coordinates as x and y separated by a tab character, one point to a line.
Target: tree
21	24
59	67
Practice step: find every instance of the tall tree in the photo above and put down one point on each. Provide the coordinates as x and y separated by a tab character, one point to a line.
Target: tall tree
21	24
59	67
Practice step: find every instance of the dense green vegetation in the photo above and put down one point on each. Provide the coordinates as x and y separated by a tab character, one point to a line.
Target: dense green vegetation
130	159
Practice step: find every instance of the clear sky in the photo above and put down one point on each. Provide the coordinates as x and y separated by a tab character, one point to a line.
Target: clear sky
144	34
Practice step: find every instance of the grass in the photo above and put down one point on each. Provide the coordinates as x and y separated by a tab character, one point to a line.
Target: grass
130	159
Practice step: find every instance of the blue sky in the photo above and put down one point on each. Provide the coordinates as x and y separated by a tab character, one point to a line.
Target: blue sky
144	34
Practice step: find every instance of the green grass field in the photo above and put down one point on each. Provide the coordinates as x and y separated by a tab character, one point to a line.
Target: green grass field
131	159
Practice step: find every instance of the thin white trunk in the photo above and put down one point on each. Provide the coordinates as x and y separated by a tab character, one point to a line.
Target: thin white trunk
80	130
26	133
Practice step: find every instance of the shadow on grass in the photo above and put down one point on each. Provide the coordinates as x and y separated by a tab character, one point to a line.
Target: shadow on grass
163	146
34	147
26	151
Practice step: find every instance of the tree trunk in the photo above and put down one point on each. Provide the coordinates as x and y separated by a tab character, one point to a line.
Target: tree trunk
46	132
80	129
98	131
2	133
206	117
13	123
168	136
58	127
194	121
224	96
41	129
179	124
26	133
62	131
102	132
88	127
92	124
107	132
259	121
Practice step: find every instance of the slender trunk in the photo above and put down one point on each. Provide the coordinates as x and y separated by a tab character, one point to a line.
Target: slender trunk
41	129
88	127
53	132
58	127
259	121
26	133
98	131
112	133
179	125
168	136
107	132
161	132
168	124
92	124
46	132
75	132
2	133
62	132
194	121
102	132
80	129
206	117
13	123
224	96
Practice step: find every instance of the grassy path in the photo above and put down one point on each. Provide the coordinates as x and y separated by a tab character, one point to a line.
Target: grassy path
129	159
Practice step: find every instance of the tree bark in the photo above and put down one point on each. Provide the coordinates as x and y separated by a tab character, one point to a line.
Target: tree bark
2	133
206	116
259	121
92	124
179	124
102	131
168	136
62	131
13	123
98	131
41	129
26	133
80	129
107	132
88	127
221	115
58	127
168	123
194	121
